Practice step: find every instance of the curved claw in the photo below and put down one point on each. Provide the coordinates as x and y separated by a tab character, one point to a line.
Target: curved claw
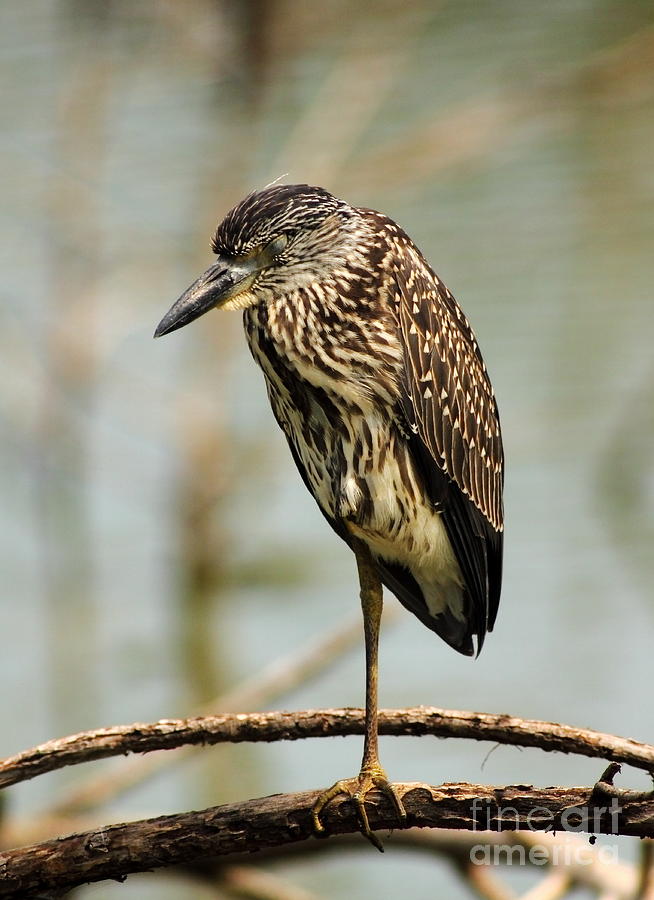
357	789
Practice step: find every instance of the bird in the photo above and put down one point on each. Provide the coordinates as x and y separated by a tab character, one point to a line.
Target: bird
376	378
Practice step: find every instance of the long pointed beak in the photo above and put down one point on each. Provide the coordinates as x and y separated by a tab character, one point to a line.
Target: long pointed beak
215	286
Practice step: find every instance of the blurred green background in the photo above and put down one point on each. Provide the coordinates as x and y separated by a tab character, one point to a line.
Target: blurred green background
158	547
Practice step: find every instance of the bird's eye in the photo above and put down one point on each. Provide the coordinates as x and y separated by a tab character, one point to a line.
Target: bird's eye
276	246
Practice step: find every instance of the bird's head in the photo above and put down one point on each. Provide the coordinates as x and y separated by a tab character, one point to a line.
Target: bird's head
274	241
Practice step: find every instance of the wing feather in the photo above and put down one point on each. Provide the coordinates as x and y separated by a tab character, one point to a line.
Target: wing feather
454	430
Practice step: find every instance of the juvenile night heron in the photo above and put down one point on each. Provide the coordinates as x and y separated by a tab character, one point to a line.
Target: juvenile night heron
375	377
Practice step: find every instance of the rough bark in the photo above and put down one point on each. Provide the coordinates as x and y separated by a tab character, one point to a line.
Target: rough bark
48	868
119	850
291	726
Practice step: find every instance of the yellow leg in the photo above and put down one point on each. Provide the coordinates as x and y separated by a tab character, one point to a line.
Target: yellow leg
372	775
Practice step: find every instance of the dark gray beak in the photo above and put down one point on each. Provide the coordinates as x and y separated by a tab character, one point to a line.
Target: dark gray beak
220	282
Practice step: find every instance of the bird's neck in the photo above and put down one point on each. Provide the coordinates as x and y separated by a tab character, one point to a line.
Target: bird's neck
337	333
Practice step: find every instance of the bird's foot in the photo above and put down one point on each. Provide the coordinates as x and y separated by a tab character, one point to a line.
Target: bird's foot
357	789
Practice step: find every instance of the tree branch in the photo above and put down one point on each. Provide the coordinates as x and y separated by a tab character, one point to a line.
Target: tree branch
119	850
290	726
274	822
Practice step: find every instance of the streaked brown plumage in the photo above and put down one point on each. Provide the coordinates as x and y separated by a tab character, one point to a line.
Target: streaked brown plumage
375	377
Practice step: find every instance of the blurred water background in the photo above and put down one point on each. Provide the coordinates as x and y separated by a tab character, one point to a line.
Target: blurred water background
158	547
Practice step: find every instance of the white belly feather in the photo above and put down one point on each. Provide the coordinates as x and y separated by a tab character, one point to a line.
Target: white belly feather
410	533
400	525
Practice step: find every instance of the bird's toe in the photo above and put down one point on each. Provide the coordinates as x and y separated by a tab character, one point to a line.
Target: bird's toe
357	790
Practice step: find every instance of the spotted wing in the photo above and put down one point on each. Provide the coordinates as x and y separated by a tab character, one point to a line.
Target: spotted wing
454	432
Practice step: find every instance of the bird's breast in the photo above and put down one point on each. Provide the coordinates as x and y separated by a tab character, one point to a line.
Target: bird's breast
357	463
